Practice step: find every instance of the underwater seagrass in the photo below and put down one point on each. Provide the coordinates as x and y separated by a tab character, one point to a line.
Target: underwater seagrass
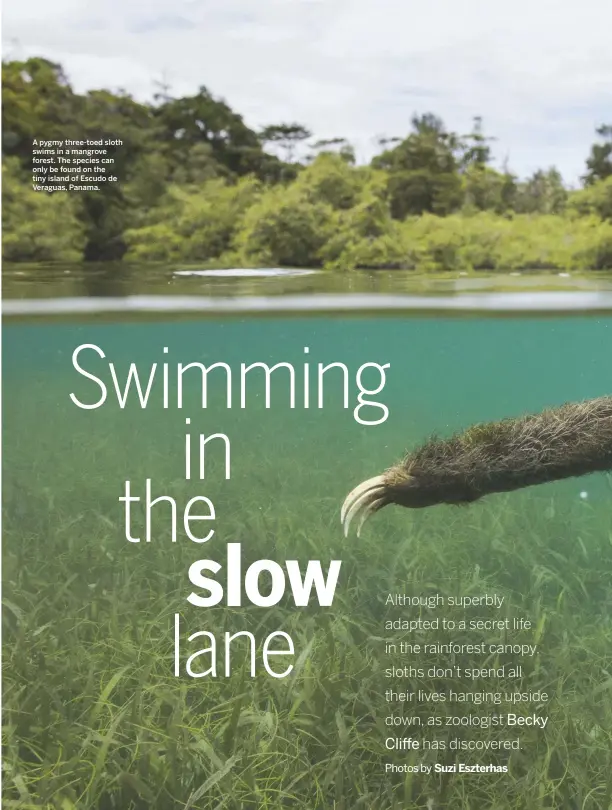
572	440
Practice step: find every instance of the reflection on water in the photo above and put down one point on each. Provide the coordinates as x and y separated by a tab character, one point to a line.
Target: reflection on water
237	272
119	280
108	288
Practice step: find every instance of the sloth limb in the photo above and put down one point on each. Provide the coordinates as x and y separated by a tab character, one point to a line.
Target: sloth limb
572	440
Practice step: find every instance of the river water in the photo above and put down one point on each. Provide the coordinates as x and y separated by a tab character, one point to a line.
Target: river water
97	624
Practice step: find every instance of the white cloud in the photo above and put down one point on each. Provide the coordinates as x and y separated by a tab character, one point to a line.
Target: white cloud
538	71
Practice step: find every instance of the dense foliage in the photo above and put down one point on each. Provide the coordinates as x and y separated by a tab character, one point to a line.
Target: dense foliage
197	185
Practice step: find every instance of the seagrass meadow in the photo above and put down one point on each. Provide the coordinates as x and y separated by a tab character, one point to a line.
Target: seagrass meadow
94	717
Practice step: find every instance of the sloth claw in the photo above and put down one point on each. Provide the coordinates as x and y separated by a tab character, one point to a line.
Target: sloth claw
362	502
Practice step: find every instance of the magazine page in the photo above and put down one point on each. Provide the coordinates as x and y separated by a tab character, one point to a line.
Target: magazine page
307	406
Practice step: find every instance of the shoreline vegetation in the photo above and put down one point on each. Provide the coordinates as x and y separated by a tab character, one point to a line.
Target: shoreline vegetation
198	185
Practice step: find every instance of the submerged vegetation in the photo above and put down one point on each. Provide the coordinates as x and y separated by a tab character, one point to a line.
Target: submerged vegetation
198	185
94	718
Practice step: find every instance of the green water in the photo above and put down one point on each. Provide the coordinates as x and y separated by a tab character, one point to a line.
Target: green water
94	716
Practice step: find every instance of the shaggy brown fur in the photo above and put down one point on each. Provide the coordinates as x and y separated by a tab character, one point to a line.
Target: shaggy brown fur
565	442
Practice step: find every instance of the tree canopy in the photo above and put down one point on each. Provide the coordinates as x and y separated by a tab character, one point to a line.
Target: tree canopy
198	184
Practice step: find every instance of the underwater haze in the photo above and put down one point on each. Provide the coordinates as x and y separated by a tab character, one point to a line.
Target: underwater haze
94	716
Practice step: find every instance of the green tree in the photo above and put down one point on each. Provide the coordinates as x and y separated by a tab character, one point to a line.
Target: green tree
35	94
202	119
287	136
331	180
37	226
423	170
193	224
285	228
41	103
486	189
474	147
542	193
594	199
334	146
599	163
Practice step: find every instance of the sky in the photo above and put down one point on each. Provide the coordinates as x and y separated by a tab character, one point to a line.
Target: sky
539	72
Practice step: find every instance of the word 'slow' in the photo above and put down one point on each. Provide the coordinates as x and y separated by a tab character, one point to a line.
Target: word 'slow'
301	583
